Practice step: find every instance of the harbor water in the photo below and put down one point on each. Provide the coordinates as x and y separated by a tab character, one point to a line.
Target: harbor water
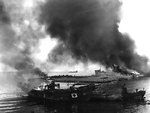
14	101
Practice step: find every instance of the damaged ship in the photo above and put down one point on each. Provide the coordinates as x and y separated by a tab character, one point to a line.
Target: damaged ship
77	92
52	92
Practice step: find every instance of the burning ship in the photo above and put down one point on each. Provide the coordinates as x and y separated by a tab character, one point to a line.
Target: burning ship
78	92
86	29
52	92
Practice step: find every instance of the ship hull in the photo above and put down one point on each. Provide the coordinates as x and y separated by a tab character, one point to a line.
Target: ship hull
64	95
135	96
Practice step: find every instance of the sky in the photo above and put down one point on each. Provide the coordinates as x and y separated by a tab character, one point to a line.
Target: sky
24	41
135	21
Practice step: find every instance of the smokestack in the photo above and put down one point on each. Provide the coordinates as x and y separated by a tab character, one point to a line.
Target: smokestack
88	30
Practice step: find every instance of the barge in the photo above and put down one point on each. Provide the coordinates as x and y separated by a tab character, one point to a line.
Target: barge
75	93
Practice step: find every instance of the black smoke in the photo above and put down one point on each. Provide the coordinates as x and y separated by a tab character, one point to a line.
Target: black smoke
4	18
89	30
11	55
16	51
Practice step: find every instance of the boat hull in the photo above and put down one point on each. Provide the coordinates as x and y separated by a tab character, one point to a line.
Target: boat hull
65	95
135	96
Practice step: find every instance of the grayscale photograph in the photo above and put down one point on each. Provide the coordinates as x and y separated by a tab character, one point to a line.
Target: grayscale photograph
74	56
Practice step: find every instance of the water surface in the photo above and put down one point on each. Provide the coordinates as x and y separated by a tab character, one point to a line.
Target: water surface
16	102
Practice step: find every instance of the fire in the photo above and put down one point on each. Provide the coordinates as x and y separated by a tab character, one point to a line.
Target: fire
29	45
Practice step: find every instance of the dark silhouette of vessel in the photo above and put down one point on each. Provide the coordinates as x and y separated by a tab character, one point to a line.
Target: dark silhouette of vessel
132	96
73	94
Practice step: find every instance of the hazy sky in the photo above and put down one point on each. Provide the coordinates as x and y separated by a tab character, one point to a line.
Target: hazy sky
135	21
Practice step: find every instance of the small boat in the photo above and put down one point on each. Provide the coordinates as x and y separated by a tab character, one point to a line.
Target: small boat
132	96
75	93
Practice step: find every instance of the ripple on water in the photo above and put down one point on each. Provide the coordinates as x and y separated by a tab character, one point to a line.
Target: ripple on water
10	101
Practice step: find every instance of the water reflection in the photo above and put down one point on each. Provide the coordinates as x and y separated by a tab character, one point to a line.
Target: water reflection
24	106
101	107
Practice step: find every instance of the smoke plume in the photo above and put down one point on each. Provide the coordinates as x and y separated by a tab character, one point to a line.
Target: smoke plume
17	43
89	31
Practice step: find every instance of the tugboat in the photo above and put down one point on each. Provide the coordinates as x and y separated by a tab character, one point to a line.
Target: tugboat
132	96
52	92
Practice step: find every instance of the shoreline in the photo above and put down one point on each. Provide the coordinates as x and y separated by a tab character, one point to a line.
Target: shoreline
101	78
